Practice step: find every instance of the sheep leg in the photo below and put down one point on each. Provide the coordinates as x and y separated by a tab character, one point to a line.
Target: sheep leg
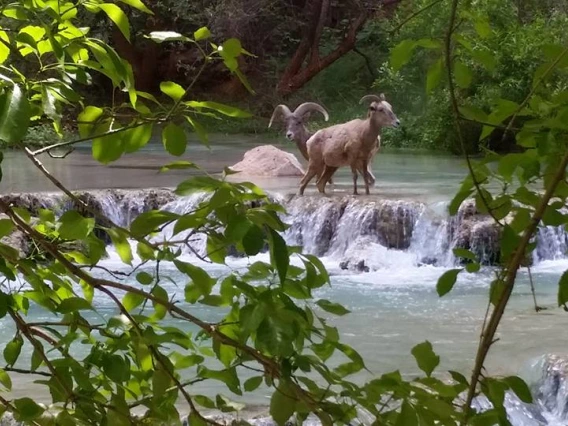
367	177
354	172
325	178
310	173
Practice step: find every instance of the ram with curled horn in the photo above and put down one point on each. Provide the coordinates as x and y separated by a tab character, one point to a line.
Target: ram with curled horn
349	144
296	122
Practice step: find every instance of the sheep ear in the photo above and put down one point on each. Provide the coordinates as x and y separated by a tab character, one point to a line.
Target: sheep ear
382	96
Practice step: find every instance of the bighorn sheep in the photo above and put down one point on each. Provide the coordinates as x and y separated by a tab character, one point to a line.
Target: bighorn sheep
296	129
352	143
295	122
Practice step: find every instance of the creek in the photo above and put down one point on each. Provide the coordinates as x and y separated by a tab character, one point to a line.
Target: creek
384	252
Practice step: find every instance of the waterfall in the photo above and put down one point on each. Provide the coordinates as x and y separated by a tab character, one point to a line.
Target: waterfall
358	233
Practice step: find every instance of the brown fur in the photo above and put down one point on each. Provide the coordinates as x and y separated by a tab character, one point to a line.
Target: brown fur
349	144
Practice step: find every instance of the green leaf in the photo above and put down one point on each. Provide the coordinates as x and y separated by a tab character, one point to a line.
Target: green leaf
485	58
463	253
401	54
520	388
132	300
188	361
5	380
73	304
15	112
174	139
73	226
253	241
482	27
279	255
147	222
117	16
231	48
222	108
434	76
334	308
472	267
37	359
6	227
253	383
202	34
195	420
425	357
458	200
137	4
178	165
407	416
121	245
473	113
4	50
446	281
13	349
161	36
27	409
108	148
282	404
87	119
227	376
563	289
136	138
173	90
198	184
429	43
509	241
463	75
199	130
116	368
144	278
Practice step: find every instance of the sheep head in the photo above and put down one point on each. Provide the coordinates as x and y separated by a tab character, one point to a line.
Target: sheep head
380	111
296	120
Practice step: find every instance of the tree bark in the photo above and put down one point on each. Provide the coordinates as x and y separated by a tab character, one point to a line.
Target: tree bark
306	62
295	76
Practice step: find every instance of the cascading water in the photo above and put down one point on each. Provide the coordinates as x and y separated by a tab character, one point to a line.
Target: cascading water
359	233
366	234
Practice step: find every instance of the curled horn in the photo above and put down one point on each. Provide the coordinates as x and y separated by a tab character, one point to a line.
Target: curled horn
279	111
310	106
372	98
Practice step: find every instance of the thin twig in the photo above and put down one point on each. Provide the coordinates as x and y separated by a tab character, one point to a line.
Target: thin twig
536	307
535	86
414	15
86	139
455	107
24	371
509	283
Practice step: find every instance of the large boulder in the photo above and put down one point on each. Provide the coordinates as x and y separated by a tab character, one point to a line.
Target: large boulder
268	161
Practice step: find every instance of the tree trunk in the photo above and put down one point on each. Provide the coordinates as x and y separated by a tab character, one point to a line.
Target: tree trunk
306	62
295	76
144	58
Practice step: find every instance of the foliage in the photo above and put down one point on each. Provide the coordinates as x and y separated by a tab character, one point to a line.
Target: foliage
269	329
502	57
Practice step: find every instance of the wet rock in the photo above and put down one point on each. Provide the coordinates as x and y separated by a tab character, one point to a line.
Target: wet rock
476	232
358	266
269	161
313	222
550	388
395	223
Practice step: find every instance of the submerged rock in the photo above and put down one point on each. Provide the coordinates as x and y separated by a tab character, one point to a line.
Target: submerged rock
268	161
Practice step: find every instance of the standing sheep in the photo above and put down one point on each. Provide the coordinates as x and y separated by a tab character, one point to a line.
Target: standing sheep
352	143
